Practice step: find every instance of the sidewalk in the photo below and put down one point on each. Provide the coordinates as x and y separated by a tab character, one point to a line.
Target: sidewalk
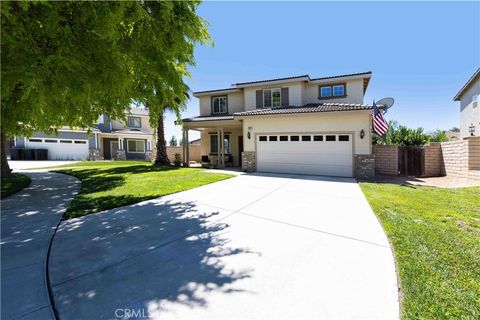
29	219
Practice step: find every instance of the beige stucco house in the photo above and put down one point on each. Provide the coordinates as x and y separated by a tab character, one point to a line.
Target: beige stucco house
469	108
298	125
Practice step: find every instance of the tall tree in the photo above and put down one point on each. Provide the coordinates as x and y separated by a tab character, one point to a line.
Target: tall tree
65	63
173	141
177	105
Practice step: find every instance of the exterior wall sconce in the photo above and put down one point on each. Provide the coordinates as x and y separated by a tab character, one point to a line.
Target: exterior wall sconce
249	133
362	134
471	129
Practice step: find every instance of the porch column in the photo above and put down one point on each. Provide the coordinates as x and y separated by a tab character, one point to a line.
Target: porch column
185	147
222	148
218	148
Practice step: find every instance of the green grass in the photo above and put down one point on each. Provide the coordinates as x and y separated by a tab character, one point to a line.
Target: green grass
13	183
107	185
435	235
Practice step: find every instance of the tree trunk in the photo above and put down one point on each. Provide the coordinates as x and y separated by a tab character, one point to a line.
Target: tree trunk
161	158
3	155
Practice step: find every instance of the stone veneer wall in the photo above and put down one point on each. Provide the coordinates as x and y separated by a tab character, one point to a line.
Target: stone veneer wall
94	154
248	161
364	166
386	159
121	155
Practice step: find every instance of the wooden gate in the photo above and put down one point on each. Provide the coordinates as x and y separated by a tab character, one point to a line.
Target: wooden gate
411	161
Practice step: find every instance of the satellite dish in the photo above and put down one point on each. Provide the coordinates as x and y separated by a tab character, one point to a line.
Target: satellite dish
387	103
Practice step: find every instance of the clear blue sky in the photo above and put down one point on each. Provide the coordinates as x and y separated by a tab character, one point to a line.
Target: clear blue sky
420	53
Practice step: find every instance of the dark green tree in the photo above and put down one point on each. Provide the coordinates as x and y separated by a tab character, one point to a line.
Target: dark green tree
173	141
402	136
65	63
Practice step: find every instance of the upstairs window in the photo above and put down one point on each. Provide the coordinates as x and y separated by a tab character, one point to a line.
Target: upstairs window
332	91
134	122
325	92
339	91
272	98
219	105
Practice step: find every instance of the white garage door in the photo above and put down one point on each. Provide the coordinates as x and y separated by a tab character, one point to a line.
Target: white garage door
61	149
317	154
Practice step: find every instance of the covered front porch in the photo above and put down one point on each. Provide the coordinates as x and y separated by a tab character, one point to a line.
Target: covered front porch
221	141
116	146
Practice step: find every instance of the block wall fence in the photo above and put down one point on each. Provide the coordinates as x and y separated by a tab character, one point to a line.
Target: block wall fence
453	158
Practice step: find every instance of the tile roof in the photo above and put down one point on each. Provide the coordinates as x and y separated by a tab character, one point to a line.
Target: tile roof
276	79
130	131
308	108
343	75
208	118
216	90
466	85
137	111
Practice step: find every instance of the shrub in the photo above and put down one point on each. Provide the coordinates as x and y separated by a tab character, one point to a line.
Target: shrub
402	136
178	160
439	136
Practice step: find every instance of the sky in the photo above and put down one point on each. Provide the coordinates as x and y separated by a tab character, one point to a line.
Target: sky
420	54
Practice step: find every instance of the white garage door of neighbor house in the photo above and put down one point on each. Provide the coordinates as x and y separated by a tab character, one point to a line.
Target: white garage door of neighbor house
316	154
61	149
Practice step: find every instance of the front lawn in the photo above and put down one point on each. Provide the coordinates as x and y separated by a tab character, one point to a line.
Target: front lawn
107	185
13	183
435	235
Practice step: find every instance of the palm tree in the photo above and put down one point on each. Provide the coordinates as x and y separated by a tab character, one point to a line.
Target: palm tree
161	158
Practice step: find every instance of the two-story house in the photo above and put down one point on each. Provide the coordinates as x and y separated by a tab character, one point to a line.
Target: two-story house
108	139
469	108
293	125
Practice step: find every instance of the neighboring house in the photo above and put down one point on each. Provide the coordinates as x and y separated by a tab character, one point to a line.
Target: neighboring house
294	125
109	139
469	108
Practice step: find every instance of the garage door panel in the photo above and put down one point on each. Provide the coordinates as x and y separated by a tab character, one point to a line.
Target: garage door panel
72	150
324	170
333	158
325	161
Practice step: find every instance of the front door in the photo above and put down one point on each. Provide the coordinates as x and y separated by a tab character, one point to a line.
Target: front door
240	149
113	149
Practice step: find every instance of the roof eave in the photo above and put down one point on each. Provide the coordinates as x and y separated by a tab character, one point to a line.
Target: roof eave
366	75
466	85
214	92
272	82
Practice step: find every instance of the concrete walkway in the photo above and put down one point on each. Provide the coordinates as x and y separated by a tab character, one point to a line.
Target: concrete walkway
251	247
29	219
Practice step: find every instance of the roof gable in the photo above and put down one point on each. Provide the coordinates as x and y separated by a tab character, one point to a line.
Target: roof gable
470	81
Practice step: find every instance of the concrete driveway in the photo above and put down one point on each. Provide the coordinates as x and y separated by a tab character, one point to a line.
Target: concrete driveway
251	247
20	165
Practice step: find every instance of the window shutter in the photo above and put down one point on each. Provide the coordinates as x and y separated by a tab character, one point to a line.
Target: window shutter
267	98
285	99
259	95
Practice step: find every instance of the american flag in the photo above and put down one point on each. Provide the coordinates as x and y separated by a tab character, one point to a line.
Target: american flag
380	126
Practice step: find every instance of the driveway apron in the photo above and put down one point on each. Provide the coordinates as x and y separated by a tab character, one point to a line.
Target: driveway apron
251	247
29	219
